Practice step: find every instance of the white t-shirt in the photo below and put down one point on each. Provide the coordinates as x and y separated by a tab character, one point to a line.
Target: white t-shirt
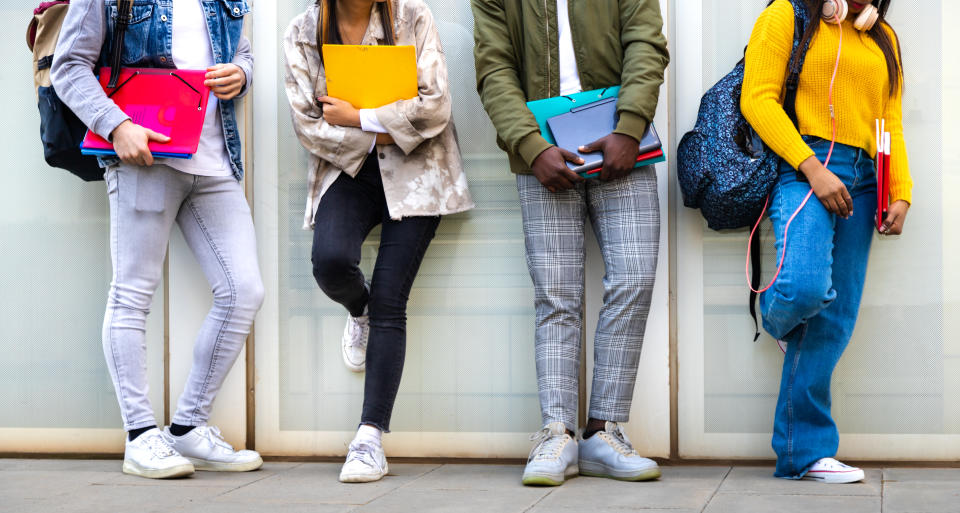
569	74
191	49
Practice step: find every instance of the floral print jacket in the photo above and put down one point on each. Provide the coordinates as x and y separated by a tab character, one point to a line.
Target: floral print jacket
422	172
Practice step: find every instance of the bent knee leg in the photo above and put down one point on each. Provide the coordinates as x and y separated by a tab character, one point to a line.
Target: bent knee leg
791	303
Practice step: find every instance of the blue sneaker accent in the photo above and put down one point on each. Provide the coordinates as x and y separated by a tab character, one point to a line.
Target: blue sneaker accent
553	459
608	453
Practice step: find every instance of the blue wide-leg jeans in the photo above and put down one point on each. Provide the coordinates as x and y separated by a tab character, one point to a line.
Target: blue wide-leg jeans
814	303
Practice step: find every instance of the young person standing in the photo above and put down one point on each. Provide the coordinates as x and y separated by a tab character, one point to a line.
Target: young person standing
813	305
529	50
397	166
147	196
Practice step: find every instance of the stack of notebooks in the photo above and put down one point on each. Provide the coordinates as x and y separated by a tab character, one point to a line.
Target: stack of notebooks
579	119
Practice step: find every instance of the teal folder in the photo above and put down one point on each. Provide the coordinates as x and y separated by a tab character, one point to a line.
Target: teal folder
550	107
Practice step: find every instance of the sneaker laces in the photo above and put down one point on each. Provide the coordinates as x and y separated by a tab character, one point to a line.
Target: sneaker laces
362	451
618	439
832	463
359	331
213	435
548	445
160	445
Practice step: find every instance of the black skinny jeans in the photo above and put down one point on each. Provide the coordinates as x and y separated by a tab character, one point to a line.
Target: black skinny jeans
350	209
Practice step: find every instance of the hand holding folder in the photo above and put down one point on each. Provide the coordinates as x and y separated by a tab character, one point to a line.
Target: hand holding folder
576	120
171	102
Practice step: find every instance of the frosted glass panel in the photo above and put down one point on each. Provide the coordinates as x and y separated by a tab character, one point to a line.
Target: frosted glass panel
896	376
469	364
55	271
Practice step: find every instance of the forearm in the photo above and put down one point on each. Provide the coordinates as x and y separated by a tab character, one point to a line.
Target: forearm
645	59
411	122
244	60
498	83
72	73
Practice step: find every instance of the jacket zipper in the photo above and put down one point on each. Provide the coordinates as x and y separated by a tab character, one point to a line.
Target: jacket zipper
549	63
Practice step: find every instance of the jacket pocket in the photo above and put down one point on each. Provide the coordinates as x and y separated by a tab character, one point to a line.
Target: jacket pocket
236	8
140	31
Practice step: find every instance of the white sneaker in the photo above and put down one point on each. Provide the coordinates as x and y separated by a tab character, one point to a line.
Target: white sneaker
365	463
152	455
829	470
354	343
205	447
553	459
609	453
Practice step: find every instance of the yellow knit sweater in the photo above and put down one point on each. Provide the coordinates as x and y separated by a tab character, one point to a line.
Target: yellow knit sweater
861	93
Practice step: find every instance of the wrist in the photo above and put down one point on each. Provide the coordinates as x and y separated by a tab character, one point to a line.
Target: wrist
123	126
811	167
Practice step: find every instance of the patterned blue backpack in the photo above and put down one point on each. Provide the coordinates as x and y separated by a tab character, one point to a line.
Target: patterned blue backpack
723	166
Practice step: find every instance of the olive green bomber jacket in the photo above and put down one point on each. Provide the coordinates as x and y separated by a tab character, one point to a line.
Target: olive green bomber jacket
616	42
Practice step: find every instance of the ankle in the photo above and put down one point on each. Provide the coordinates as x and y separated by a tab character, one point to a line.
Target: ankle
134	433
594	426
180	430
369	433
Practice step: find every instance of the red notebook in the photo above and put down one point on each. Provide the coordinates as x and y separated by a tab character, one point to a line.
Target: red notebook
883	178
172	102
651	157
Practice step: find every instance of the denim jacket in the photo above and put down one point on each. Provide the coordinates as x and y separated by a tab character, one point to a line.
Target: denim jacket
86	39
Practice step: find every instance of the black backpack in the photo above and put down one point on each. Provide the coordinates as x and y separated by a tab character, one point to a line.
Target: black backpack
61	131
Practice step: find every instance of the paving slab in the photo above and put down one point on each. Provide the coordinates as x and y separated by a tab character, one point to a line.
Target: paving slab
921	497
107	498
112	465
516	500
907	475
471	477
317	483
760	480
743	503
680	488
204	479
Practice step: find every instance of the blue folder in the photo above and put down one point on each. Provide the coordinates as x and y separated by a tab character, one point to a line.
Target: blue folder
549	107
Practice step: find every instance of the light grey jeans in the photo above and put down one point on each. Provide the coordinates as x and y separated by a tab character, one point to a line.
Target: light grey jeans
215	220
625	215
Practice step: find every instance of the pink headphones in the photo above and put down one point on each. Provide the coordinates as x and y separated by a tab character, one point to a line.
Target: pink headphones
835	11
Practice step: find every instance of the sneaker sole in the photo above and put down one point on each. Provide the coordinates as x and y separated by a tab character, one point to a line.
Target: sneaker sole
350	366
134	469
844	478
599	470
363	478
219	466
532	479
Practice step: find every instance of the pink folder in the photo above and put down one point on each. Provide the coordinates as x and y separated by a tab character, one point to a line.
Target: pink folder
172	102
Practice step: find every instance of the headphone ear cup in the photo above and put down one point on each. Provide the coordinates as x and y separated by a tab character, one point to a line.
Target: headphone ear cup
867	18
834	9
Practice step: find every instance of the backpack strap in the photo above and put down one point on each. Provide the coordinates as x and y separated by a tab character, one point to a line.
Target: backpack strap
801	42
124	11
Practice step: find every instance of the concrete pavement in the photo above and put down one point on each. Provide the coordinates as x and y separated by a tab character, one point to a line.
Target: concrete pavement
46	486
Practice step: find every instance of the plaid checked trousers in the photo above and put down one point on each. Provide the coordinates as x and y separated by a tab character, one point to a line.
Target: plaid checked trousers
625	215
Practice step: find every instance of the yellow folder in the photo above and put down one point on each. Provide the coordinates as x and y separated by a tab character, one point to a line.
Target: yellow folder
370	76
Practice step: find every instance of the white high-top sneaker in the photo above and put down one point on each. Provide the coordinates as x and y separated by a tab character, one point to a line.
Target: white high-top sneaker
151	455
365	462
353	345
207	450
831	471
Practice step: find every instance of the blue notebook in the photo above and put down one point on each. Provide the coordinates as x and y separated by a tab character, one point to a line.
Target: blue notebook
585	124
156	154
